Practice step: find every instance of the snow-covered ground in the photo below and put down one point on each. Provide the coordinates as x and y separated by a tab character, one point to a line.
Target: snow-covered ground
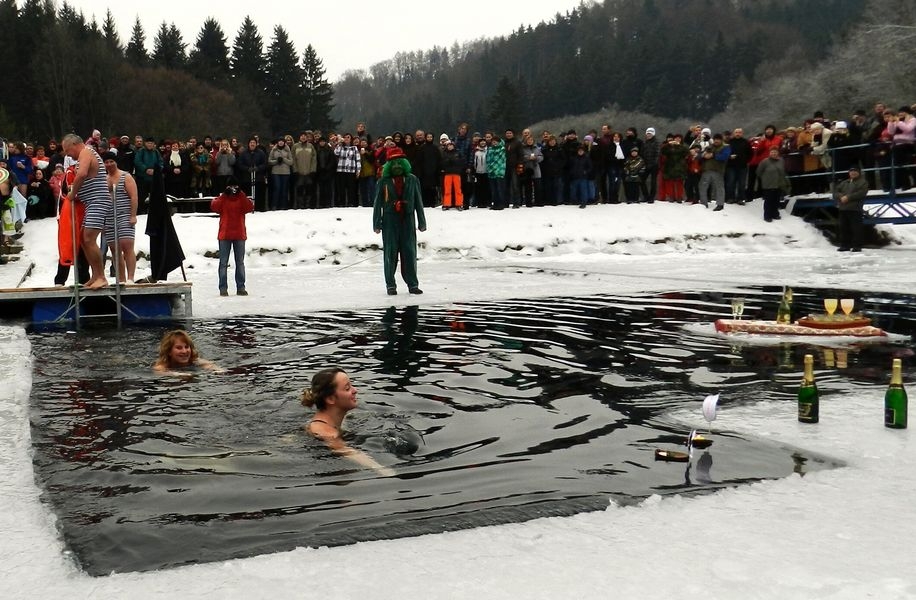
843	533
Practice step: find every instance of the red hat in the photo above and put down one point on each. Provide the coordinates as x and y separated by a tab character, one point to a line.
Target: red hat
395	152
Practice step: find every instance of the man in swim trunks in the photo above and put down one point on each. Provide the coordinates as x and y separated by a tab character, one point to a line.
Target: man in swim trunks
90	187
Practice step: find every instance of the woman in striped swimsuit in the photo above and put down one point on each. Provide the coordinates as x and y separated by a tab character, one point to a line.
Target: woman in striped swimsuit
125	209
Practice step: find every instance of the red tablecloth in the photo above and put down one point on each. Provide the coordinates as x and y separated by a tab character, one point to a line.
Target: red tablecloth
772	328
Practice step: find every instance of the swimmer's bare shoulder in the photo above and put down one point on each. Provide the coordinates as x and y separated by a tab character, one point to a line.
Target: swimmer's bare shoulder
209	365
324	432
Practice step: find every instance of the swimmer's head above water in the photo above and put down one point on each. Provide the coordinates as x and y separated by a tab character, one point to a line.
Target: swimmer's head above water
330	387
176	350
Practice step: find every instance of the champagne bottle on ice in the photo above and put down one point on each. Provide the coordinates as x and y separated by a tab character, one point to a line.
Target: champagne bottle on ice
784	311
895	399
808	403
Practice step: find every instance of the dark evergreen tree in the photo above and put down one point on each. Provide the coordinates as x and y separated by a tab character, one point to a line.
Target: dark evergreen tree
247	61
93	28
110	33
318	93
282	83
209	60
74	22
505	105
135	53
169	48
35	15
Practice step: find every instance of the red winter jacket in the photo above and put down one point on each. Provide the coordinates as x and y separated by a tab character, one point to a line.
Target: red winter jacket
232	209
760	148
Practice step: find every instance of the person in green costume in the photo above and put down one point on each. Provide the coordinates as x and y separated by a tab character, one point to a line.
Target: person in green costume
397	213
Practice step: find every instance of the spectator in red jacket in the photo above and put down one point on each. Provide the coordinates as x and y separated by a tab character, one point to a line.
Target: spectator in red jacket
760	148
232	206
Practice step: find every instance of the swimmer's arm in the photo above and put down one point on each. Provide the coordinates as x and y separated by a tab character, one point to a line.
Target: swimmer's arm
332	439
83	171
131	187
209	365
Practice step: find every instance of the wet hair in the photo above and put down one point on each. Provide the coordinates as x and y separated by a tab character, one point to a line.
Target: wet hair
168	342
323	387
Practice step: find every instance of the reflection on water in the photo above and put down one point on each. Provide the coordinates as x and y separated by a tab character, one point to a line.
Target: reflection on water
521	409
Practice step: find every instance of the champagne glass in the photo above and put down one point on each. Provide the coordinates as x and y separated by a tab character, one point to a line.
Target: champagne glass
830	306
737	308
847	304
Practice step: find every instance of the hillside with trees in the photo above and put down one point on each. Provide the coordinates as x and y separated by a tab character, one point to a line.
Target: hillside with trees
670	62
78	75
632	62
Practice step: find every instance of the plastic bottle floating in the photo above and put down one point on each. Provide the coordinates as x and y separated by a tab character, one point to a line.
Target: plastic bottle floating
671	455
402	440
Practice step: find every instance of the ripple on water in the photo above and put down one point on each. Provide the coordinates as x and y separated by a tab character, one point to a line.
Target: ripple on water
514	410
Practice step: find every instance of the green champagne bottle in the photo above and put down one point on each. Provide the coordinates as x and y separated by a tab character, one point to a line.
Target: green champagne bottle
895	399
784	311
808	404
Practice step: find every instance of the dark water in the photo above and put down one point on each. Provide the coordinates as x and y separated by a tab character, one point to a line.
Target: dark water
526	409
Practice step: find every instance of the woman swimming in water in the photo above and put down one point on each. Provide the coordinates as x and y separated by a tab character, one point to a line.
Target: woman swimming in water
177	351
334	396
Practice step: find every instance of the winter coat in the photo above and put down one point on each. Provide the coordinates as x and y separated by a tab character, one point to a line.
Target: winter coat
760	148
675	163
452	163
772	175
793	160
843	156
741	152
716	162
480	161
819	145
430	159
904	132
855	190
251	161
225	163
146	159
532	158
305	159
554	161
232	209
634	169
580	167
651	150
496	160
280	160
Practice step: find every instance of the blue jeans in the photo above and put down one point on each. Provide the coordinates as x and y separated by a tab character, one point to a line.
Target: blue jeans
735	183
238	248
498	192
366	190
279	192
580	191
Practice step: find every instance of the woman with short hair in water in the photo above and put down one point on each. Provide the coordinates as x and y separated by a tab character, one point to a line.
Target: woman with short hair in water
334	396
177	351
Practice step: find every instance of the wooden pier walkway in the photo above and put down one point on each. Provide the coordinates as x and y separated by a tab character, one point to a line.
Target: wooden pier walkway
139	302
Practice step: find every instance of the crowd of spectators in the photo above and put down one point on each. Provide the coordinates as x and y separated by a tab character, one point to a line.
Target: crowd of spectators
498	170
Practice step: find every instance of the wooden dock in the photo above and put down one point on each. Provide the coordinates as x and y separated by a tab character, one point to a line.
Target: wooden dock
139	302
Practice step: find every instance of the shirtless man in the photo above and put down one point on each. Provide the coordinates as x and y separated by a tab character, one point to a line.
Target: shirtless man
90	187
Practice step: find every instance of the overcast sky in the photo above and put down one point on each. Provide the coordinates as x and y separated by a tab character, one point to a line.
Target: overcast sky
346	34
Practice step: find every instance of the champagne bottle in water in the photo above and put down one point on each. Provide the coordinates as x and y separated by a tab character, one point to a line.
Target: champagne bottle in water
784	312
895	399
808	404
